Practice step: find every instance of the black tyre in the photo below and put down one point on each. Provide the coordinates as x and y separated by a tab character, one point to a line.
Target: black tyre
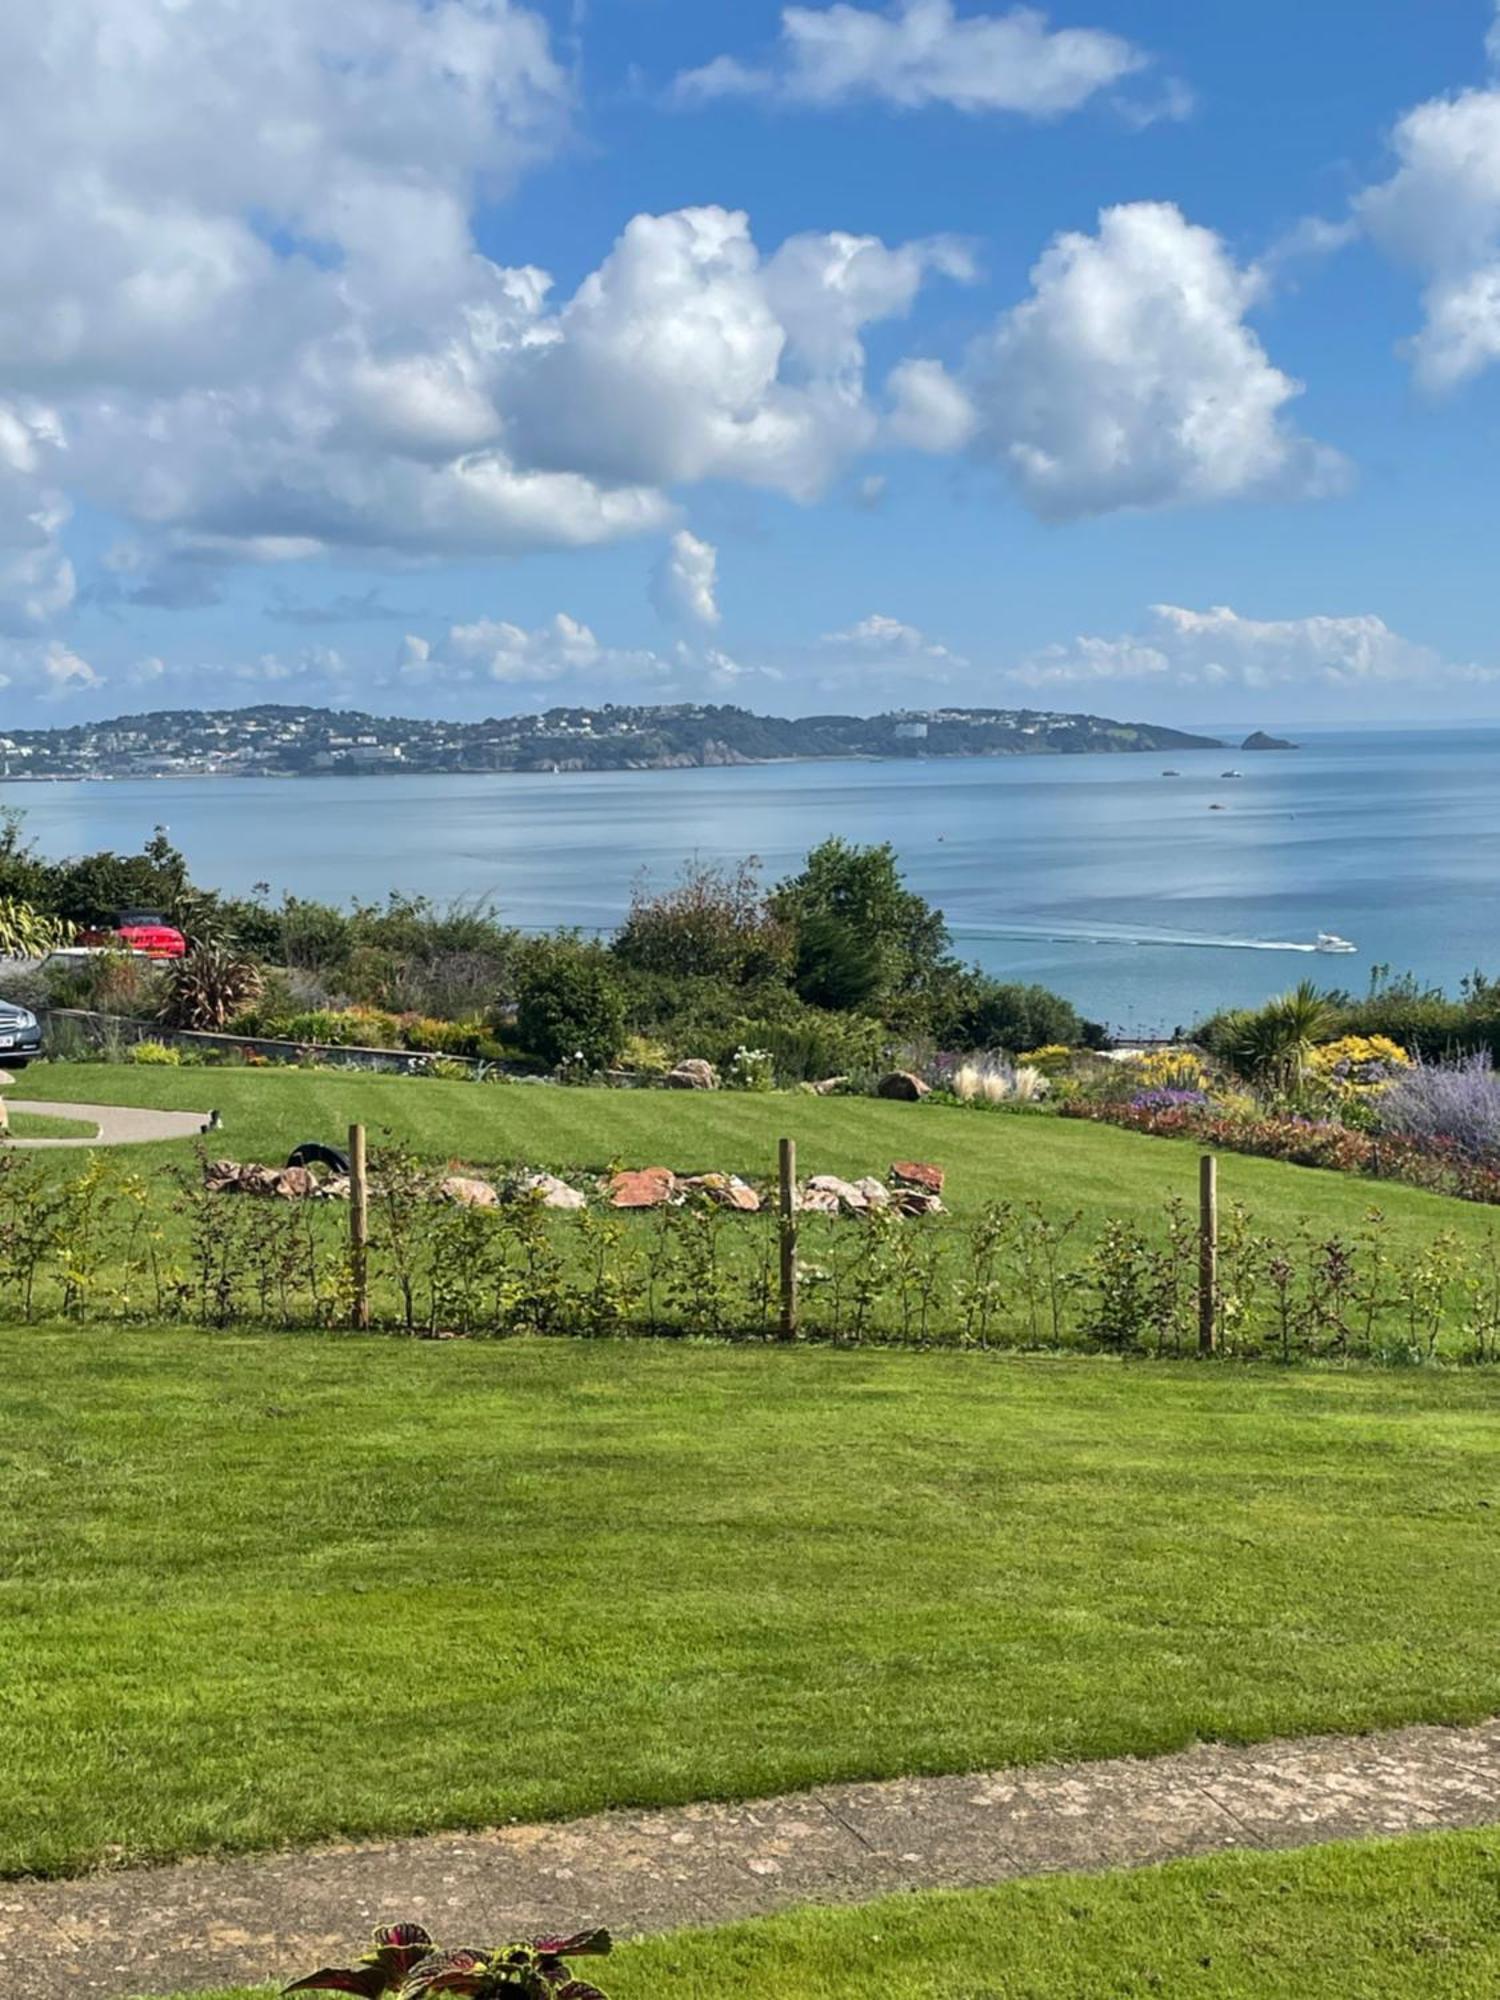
313	1155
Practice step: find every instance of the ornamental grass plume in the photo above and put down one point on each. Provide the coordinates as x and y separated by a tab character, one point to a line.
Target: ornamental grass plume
995	1082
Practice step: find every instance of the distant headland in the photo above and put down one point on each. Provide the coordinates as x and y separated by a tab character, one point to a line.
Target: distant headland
1260	741
273	740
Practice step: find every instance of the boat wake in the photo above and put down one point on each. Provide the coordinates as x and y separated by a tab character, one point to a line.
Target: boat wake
1123	934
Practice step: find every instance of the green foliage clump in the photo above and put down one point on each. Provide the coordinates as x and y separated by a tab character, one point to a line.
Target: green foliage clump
753	1070
407	1962
27	932
996	1014
712	924
208	988
858	926
812	1044
570	1008
826	970
1273	1045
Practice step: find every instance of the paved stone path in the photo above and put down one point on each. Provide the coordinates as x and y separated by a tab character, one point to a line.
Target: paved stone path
119	1124
268	1917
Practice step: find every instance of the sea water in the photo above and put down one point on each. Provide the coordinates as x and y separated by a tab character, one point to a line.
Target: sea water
1097	875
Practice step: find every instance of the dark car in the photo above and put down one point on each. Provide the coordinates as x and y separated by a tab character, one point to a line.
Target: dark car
20	1036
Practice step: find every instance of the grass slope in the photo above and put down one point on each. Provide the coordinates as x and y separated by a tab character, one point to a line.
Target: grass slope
266	1591
1347	1922
42	1125
1063	1163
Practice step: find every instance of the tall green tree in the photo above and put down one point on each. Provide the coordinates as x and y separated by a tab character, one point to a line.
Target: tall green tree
851	901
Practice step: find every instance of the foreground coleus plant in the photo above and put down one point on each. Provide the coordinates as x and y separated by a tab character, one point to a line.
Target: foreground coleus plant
405	1961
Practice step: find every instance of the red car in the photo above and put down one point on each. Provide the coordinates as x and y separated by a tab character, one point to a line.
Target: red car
144	931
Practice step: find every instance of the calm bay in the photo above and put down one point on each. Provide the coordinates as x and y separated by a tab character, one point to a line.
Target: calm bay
1097	875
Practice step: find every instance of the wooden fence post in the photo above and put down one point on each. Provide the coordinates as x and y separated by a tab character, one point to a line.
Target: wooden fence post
359	1228
1208	1254
788	1169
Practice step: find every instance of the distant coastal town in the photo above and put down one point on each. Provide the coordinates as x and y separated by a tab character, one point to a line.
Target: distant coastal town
287	741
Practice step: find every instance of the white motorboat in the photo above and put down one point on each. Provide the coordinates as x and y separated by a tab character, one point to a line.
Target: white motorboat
1331	941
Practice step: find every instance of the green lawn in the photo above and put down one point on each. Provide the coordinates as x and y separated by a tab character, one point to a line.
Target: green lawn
256	1591
1339	1923
947	1286
1375	1921
1063	1163
40	1125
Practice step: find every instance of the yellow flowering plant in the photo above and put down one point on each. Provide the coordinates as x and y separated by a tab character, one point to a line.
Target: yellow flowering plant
1357	1063
1170	1069
1051	1059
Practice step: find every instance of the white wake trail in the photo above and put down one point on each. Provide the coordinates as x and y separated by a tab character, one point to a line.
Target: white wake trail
1122	934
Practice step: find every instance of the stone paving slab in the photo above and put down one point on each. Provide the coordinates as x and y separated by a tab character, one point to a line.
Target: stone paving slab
260	1919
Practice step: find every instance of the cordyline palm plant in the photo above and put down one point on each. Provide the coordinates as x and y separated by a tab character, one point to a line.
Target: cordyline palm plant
406	1962
208	988
1274	1045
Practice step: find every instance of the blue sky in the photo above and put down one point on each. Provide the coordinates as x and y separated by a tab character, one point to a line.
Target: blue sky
1141	358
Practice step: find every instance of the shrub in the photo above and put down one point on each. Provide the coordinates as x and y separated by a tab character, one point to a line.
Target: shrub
751	1069
981	1083
113	983
1169	1100
998	1014
1359	1062
1458	1102
155	1055
1438	1164
208	988
1051	1059
571	1009
714	924
1168	1069
450	1069
444	1038
314	936
857	922
811	1045
650	1057
325	1027
26	932
26	986
837	966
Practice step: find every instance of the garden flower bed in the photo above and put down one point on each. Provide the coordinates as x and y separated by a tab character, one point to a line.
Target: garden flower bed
1437	1164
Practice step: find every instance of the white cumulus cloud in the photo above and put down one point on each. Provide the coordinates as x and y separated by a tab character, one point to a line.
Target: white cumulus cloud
240	276
1129	378
497	651
879	637
689	355
684	588
53	671
1219	648
36	577
922	52
1439	214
